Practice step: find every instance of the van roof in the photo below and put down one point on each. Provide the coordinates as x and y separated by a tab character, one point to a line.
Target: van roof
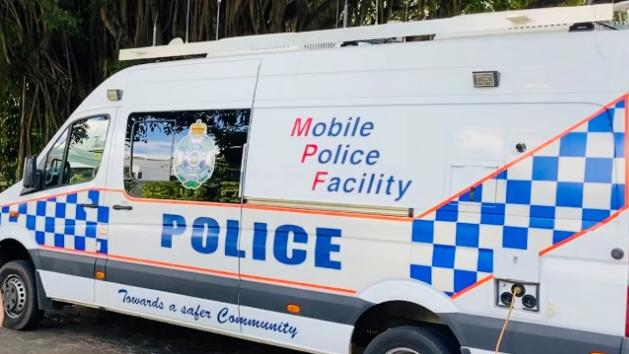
534	20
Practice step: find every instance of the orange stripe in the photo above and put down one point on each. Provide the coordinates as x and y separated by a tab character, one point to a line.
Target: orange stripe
69	251
175	201
626	150
53	195
195	269
348	214
253	206
583	232
523	156
297	283
626	204
473	286
163	264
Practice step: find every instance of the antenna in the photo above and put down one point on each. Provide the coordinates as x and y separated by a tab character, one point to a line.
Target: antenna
187	21
155	30
218	16
405	10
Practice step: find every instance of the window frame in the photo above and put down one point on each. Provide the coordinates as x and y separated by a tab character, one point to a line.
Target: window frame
68	129
244	147
65	132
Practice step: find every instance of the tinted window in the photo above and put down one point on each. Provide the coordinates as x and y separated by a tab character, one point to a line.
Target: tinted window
186	155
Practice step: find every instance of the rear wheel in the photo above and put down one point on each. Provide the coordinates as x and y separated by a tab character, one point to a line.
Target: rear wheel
19	295
409	340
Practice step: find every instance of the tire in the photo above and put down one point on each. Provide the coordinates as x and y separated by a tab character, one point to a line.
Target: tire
19	294
409	340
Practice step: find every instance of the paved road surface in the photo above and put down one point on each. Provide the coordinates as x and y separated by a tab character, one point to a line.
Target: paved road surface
81	331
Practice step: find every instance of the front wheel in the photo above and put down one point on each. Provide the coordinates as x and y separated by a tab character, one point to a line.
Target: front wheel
409	340
19	295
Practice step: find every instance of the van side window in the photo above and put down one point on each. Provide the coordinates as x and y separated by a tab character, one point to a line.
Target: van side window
85	149
76	159
186	155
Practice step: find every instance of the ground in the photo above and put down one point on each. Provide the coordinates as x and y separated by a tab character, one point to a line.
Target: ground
81	330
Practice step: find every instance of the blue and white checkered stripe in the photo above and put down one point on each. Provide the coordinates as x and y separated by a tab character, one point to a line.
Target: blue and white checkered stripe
62	221
570	185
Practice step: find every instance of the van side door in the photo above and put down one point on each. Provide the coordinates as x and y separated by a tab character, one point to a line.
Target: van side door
68	215
175	225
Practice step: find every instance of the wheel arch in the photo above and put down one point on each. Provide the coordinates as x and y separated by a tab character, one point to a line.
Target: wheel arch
17	243
409	291
402	302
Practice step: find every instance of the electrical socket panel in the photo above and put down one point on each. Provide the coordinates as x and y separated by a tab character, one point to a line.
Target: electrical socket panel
528	301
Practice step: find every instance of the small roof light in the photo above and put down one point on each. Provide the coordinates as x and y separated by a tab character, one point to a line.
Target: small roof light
114	95
486	78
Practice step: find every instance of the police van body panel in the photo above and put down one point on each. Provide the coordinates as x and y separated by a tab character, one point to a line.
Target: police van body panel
342	198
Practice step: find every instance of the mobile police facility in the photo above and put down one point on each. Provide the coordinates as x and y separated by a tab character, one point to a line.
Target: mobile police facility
446	186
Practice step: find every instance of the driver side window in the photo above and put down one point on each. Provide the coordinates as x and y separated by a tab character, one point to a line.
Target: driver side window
76	155
54	161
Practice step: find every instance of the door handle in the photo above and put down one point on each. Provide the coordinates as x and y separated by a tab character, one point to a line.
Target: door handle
122	207
93	206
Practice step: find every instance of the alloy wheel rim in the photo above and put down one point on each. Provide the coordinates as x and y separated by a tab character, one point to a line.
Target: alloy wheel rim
401	350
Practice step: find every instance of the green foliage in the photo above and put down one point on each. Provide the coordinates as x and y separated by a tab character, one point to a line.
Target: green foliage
477	6
57	17
497	5
9	117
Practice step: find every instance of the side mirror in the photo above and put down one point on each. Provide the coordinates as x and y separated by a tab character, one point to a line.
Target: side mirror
30	172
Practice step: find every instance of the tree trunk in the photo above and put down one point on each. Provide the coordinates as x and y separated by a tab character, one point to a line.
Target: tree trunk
21	154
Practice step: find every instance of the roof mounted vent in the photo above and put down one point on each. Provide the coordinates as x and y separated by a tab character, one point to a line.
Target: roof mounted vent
582	26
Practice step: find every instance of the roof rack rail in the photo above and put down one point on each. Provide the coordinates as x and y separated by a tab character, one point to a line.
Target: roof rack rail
548	19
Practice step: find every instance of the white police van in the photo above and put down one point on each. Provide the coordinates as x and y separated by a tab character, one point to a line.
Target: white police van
404	188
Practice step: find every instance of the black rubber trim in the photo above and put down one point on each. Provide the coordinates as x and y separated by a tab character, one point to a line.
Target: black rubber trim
34	253
178	282
43	302
313	304
527	338
323	306
71	264
625	346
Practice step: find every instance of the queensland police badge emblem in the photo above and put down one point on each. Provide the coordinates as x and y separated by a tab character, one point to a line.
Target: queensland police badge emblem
195	156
